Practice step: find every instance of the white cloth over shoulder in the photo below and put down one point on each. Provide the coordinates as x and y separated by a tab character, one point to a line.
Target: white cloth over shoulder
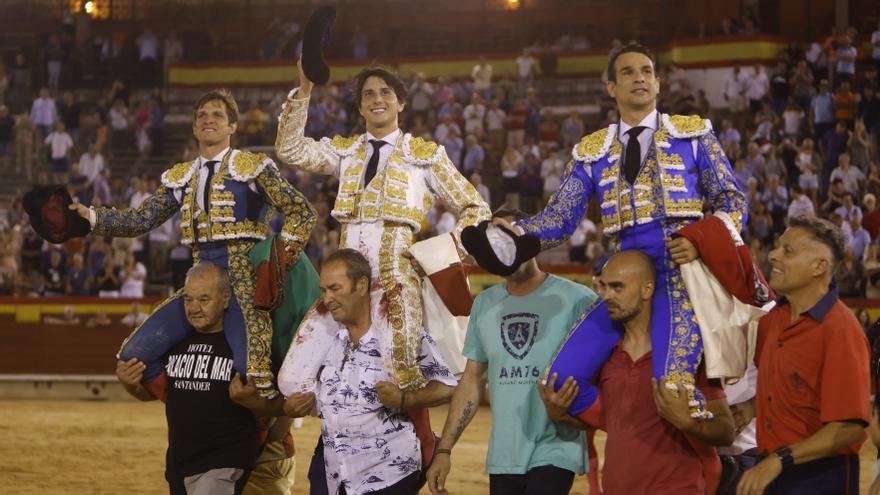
724	322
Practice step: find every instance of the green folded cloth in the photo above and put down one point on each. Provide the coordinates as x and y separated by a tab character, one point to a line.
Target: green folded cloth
301	290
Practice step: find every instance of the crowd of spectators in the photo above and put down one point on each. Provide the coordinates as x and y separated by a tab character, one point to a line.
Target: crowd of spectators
801	137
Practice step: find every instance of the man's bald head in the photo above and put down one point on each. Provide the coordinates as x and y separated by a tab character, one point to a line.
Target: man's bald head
629	279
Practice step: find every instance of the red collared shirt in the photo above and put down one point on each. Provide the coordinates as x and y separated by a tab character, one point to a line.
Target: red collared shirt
644	453
810	372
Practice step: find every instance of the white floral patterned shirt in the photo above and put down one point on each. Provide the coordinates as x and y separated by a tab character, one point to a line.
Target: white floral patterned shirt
367	446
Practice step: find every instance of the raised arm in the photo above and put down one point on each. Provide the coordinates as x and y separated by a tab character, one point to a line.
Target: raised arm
292	147
133	222
299	216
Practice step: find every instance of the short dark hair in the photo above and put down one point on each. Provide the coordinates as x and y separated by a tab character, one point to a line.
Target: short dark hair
356	264
514	213
222	95
823	232
631	47
391	79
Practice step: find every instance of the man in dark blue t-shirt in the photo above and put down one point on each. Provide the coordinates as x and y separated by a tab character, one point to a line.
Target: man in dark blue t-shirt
212	441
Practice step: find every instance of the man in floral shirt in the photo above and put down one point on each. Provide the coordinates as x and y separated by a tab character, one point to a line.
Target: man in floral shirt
370	443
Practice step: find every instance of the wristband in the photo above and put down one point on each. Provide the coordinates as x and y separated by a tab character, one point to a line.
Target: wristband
785	457
443	451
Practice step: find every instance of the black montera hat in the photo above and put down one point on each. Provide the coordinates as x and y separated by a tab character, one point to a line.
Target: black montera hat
50	215
315	37
476	242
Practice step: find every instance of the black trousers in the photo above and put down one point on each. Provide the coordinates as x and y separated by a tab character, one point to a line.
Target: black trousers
542	480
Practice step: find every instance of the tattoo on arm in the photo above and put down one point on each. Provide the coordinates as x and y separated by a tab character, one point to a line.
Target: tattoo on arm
467	414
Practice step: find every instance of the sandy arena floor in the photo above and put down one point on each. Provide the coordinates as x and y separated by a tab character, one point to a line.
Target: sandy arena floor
116	447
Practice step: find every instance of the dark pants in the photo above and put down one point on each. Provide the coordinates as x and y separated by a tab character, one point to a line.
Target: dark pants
732	473
176	486
542	480
406	486
837	475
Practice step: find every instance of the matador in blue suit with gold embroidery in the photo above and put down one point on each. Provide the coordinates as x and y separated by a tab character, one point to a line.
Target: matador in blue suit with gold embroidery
652	174
225	198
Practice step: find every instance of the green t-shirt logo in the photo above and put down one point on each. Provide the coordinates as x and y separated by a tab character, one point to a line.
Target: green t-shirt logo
518	333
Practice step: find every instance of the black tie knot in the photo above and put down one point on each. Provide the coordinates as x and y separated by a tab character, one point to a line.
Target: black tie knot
635	131
377	143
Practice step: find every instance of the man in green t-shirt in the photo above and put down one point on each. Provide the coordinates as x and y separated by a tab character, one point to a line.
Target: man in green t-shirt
515	330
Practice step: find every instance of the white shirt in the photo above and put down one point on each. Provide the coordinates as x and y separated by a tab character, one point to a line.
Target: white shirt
482	77
148	46
138	198
43	111
847	66
524	64
60	143
850	177
131	286
801	207
446	223
495	119
473	117
646	137
757	86
367	446
733	85
90	166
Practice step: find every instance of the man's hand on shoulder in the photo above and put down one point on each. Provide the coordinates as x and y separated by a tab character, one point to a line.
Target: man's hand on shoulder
130	373
557	403
80	209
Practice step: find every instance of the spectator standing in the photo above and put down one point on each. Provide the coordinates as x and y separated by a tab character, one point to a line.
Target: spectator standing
822	111
44	113
60	145
757	87
481	75
132	276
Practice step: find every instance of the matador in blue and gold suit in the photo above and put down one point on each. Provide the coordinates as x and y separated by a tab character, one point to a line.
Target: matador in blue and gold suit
683	173
221	225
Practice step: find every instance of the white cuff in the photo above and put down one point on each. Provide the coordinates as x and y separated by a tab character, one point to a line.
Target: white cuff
93	217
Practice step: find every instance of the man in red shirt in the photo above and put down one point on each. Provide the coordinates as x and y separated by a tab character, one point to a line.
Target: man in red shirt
645	420
813	395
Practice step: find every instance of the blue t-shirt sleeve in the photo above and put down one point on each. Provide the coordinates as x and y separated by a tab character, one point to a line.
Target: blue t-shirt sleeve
473	347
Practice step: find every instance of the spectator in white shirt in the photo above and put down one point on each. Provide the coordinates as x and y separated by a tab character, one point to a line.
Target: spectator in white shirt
851	176
495	117
577	243
442	130
482	76
525	70
91	163
730	139
44	113
734	91
757	87
846	62
140	193
848	211
60	144
132	275
474	114
801	205
148	51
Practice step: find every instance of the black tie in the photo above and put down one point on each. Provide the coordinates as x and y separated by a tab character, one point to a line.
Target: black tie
632	162
373	164
206	193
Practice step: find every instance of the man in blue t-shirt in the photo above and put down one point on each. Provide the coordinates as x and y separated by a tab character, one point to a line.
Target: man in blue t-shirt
514	332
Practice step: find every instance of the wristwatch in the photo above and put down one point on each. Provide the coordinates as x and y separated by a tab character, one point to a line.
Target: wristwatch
785	457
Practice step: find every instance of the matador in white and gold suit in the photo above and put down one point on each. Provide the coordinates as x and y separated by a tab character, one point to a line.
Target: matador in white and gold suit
379	219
